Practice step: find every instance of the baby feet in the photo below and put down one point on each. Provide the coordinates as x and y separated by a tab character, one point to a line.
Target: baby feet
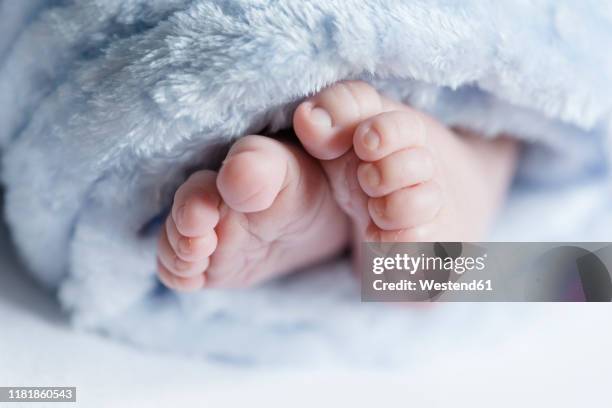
400	175
268	211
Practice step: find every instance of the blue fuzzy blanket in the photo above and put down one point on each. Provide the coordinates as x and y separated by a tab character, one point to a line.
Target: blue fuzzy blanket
107	105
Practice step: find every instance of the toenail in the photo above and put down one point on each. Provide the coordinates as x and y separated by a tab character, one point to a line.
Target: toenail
185	245
372	175
371	140
181	265
321	117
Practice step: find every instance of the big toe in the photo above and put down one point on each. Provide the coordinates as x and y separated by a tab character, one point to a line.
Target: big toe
253	174
325	123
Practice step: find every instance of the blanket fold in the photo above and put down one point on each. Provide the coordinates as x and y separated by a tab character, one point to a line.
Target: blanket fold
107	106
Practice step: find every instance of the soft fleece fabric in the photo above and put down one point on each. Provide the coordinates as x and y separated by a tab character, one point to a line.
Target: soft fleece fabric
107	105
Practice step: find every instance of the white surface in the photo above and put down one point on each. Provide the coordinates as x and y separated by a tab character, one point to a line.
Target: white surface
561	358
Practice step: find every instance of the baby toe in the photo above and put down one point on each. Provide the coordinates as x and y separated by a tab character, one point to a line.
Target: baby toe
389	132
400	169
253	174
174	264
406	208
195	210
185	284
190	249
325	123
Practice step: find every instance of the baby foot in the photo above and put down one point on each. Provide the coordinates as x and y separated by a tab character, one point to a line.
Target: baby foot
268	211
400	175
